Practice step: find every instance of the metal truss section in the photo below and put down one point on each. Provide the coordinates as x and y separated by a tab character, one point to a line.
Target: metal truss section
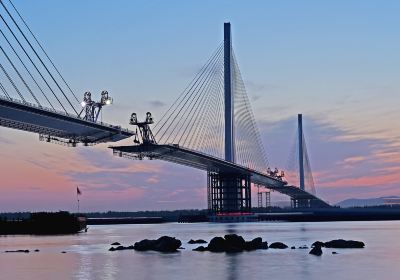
57	126
202	161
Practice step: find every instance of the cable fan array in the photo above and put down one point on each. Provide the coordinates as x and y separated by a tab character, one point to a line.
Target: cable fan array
292	166
26	70
196	119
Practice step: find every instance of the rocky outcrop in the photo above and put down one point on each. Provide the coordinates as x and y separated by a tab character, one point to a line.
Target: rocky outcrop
121	248
278	245
198	241
164	244
318	243
217	244
17	251
200	249
340	243
316	250
256	244
232	243
115	244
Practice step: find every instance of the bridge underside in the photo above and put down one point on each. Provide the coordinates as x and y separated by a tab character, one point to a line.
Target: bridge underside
218	169
57	126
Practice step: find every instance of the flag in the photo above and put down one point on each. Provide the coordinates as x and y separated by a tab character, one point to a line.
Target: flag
78	191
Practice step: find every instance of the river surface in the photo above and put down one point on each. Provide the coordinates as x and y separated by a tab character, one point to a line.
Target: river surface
87	255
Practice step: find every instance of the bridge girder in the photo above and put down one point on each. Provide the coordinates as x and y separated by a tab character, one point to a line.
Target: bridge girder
201	161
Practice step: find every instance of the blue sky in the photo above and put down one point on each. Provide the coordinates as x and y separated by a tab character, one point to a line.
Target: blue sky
336	62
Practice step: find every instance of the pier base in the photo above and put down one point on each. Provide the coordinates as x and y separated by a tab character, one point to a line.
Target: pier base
228	193
306	203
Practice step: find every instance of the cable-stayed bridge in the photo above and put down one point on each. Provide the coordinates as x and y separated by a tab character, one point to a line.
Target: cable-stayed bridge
210	126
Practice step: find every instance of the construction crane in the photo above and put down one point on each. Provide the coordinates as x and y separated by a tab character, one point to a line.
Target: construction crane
146	134
92	108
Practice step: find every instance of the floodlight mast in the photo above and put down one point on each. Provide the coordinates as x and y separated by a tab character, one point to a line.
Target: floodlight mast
144	128
91	108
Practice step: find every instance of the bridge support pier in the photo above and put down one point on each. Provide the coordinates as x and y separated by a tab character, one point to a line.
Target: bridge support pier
306	203
300	203
228	193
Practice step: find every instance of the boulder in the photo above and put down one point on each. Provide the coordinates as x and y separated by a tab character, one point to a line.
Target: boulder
200	249
304	247
167	244
293	247
163	244
121	248
234	243
340	243
217	244
278	245
144	245
264	245
334	253
37	250
198	241
256	244
17	251
318	243
115	244
316	250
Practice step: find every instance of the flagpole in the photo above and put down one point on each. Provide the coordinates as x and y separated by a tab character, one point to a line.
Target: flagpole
77	197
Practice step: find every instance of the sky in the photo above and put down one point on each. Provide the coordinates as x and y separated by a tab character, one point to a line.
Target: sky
336	62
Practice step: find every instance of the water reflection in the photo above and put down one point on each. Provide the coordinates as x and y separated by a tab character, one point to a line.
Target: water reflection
88	256
231	258
232	261
84	266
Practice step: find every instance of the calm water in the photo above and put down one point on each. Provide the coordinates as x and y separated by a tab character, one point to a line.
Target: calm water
88	257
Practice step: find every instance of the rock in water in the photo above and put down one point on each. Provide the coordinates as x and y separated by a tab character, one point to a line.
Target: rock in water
167	244
144	245
115	244
17	251
256	244
121	248
164	244
340	243
198	241
234	243
217	244
316	250
318	243
200	249
278	245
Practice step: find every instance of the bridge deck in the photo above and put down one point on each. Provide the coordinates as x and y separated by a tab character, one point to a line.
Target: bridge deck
183	156
28	117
